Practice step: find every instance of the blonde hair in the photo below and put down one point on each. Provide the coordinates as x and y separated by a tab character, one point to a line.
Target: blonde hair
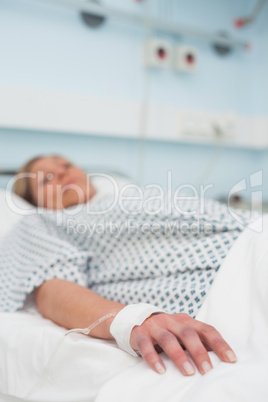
21	186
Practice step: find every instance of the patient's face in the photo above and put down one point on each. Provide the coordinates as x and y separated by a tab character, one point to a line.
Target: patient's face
58	184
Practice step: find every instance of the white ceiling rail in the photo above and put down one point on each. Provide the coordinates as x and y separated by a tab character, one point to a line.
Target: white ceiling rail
159	26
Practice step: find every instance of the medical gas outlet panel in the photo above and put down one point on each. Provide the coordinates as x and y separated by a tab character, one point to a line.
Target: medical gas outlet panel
160	53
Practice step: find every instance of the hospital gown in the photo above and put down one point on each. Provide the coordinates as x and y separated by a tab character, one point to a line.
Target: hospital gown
169	259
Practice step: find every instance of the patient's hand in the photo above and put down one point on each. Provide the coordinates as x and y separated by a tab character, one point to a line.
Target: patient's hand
174	333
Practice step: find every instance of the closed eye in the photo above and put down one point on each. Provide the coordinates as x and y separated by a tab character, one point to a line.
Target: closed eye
47	178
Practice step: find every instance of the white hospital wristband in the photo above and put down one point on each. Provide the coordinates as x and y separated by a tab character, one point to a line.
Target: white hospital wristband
127	319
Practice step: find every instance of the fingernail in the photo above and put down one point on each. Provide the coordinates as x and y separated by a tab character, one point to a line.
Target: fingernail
206	367
231	356
159	368
188	368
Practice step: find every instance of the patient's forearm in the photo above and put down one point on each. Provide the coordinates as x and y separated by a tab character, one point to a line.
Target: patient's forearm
73	306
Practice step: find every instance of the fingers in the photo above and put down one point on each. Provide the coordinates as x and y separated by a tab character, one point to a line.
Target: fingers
196	348
172	348
169	343
149	354
209	336
213	339
174	332
182	333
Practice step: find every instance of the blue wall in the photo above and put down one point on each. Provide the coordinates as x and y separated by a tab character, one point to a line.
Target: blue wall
49	47
189	164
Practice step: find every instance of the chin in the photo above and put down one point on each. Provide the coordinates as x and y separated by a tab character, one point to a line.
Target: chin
70	201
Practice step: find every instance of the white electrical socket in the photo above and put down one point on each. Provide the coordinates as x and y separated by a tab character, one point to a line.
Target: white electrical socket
185	58
206	125
158	53
225	125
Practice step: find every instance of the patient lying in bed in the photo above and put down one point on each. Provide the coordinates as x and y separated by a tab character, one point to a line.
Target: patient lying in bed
85	257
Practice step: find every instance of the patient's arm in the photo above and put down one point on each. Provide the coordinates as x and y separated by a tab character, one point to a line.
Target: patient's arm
73	306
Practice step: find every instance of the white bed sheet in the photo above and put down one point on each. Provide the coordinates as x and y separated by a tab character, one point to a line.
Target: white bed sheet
87	369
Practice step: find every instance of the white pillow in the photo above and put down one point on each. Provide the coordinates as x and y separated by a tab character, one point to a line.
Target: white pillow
12	209
107	183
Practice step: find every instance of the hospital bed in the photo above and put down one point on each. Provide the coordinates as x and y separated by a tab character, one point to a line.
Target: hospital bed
87	369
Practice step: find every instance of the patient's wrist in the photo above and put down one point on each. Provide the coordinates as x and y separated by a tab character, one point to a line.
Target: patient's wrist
129	317
102	330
